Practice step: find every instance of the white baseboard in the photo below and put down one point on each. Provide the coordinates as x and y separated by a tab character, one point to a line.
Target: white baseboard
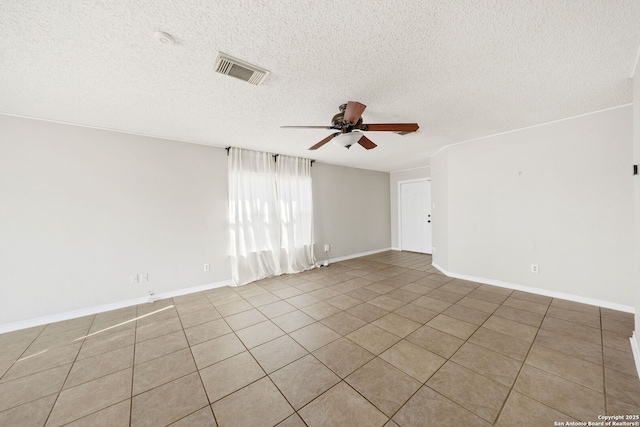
9	327
194	289
539	291
358	255
636	351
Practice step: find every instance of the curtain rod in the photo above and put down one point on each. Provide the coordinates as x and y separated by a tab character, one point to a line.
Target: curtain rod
275	156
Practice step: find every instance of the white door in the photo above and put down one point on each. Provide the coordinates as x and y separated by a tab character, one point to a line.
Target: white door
415	216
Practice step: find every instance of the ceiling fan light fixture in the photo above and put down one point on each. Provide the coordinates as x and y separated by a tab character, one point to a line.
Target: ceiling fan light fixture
346	140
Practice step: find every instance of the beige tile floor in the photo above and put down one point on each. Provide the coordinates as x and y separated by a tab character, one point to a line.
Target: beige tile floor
380	340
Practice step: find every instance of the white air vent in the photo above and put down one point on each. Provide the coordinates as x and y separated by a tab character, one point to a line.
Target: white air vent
234	67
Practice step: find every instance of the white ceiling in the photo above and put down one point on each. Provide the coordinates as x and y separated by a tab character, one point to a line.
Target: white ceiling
460	69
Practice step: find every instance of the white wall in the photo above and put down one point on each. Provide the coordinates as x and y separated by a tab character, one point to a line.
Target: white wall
556	195
440	209
84	209
351	210
394	179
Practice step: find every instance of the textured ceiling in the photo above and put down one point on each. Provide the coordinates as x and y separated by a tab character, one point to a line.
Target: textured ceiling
460	69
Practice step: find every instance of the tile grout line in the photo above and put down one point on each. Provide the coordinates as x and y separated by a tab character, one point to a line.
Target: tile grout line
155	358
424	384
256	361
206	395
550	373
69	373
296	411
604	370
23	351
133	367
511	389
17	359
466	341
524	362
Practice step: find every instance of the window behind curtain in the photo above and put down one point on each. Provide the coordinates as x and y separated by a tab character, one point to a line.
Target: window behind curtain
271	215
293	183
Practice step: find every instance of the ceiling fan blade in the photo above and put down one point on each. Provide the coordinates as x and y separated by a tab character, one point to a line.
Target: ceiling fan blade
366	143
353	112
305	127
324	141
390	127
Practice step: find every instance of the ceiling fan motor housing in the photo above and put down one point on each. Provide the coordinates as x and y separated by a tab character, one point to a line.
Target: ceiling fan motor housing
337	122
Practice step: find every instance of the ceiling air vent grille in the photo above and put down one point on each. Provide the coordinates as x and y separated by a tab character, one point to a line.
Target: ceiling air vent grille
234	67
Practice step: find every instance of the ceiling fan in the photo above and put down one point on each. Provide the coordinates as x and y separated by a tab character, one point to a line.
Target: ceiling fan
349	119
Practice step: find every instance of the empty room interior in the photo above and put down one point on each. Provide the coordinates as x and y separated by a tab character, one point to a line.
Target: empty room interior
246	213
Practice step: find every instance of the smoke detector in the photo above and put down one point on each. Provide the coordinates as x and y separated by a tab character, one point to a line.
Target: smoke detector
234	67
163	37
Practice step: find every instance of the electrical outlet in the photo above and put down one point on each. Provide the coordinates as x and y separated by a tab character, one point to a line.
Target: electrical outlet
534	268
207	267
332	247
145	277
326	248
135	278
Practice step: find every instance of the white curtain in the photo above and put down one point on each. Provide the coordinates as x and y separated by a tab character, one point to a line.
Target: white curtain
270	213
293	181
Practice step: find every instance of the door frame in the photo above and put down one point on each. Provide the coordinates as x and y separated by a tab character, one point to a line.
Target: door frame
409	181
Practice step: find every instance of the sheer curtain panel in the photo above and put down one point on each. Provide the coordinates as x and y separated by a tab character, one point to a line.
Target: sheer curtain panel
255	225
270	212
296	213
